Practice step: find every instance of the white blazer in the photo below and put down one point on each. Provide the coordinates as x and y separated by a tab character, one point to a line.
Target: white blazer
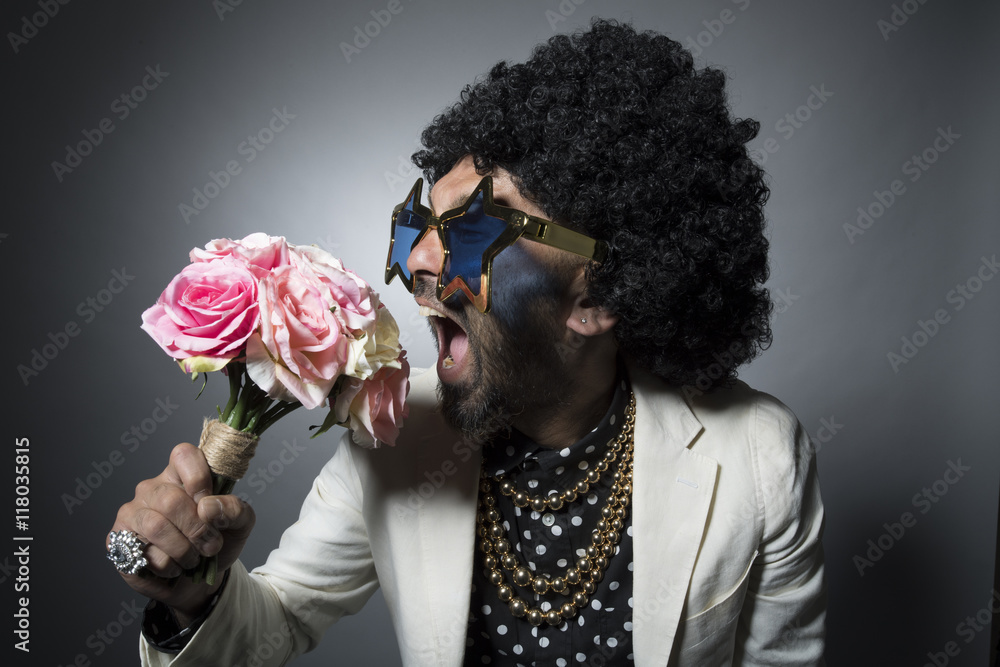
727	522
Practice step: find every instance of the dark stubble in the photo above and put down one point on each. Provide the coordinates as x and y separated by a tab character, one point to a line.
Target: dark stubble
516	363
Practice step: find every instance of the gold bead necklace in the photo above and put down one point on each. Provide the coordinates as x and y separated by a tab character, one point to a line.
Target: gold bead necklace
555	501
578	582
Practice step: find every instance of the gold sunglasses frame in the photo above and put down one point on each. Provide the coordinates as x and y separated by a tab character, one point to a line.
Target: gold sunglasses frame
519	225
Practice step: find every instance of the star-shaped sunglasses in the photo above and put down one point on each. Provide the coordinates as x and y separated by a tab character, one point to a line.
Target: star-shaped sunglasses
471	236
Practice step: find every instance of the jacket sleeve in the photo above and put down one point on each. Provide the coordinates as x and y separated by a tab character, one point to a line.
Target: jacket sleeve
784	613
321	570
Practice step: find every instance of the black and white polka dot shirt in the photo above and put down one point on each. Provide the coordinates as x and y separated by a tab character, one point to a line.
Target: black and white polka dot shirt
601	633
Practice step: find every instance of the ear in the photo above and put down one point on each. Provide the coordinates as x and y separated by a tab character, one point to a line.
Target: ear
585	318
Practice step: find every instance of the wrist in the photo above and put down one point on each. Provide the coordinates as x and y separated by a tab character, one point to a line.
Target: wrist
188	611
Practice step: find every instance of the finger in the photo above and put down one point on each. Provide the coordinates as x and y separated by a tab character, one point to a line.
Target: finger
230	514
157	560
168	550
178	507
161	564
151	585
191	469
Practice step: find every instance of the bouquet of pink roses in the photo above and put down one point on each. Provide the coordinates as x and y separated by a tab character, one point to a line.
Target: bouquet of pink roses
290	327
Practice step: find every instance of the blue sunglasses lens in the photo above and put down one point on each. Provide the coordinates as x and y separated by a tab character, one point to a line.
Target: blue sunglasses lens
408	228
467	238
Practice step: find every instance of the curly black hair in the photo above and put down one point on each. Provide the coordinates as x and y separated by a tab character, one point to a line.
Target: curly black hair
615	133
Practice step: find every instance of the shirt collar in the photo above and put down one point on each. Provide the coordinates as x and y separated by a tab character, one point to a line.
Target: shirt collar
516	452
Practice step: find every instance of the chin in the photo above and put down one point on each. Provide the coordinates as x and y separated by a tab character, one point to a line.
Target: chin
478	421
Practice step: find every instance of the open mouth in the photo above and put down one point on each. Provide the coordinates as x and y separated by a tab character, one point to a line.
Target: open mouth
453	344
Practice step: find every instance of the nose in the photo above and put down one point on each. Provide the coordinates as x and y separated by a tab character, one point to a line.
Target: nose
427	256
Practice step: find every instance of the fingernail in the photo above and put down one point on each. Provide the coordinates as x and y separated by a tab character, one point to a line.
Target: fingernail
209	543
198	496
220	520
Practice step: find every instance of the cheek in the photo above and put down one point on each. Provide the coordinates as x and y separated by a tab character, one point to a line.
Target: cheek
519	279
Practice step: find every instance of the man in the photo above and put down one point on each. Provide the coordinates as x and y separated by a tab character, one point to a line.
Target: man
591	263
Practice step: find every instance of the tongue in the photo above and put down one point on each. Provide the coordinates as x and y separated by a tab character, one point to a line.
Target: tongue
458	346
455	345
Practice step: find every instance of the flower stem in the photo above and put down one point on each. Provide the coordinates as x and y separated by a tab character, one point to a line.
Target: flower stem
258	408
235	375
235	417
250	410
274	414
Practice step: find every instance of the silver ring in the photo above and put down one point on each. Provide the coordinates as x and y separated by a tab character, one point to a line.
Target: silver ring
125	551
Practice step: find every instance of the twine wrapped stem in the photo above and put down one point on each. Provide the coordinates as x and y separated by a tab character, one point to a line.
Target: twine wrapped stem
230	442
227	450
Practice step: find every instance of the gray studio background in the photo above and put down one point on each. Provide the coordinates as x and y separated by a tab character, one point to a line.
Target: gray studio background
845	103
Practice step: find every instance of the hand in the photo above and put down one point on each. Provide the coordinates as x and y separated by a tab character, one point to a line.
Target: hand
175	513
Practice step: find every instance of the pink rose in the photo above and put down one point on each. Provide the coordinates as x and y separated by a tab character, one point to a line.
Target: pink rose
355	299
302	347
375	408
205	315
259	252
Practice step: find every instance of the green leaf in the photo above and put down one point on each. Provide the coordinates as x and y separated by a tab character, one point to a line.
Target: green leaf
328	423
203	385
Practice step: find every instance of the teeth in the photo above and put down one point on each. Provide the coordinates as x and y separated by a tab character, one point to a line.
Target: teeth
448	362
429	312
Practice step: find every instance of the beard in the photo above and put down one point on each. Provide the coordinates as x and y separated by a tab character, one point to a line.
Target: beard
512	370
516	363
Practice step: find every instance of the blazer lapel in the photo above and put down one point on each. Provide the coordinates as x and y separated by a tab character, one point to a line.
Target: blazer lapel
427	495
672	492
447	527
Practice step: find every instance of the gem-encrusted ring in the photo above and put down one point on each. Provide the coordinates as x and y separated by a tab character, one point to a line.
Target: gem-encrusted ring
125	550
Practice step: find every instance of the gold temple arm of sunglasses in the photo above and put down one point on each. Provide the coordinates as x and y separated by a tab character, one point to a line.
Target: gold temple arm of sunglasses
557	236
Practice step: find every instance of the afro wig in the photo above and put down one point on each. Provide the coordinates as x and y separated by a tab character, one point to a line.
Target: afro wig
615	133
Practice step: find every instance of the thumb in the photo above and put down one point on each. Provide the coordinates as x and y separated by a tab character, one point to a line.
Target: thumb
229	514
